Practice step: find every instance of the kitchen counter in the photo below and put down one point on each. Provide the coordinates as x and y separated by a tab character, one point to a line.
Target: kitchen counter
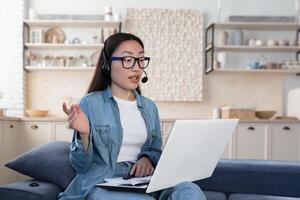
169	120
6	118
270	121
250	121
35	119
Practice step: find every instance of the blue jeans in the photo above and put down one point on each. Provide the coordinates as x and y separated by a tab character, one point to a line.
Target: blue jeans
184	190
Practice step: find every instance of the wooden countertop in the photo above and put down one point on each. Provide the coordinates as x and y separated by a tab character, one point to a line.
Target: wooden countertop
6	118
33	119
250	121
169	120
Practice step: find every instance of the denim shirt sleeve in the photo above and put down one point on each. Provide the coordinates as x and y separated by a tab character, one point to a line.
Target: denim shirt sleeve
154	151
80	158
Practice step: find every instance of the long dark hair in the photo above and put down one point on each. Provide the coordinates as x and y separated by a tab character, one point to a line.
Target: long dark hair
102	80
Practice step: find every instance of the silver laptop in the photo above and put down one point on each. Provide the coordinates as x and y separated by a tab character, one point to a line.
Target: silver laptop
191	153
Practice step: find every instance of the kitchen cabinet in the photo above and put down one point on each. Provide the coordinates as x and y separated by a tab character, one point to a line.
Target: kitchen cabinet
33	134
165	130
267	140
285	142
227	153
62	132
251	141
9	143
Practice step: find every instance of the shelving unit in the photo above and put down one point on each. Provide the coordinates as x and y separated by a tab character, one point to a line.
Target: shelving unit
269	71
235	48
63	46
43	24
257	26
51	68
211	48
74	23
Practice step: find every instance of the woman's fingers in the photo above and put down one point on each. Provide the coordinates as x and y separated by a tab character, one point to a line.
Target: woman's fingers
132	171
152	170
65	109
77	107
72	120
71	115
144	170
73	107
138	169
148	171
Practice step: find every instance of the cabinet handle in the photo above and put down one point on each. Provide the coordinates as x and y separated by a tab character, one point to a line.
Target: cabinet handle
68	127
251	128
11	126
34	127
286	128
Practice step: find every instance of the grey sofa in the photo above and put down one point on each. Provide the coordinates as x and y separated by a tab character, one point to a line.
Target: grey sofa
232	179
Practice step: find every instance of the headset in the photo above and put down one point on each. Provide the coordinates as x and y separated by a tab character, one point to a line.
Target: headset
106	64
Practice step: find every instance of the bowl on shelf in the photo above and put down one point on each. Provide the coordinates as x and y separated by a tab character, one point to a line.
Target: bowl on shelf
265	114
36	113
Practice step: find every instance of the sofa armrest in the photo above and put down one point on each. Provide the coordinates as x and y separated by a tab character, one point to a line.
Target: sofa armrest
30	190
268	177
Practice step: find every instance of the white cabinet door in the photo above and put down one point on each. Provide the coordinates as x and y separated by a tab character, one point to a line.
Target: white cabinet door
62	132
1	154
33	134
227	153
166	128
9	150
251	141
285	142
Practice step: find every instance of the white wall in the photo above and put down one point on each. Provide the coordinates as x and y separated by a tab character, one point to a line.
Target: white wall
11	56
229	7
263	91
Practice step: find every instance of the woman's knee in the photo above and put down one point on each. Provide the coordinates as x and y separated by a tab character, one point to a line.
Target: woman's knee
188	185
103	194
190	188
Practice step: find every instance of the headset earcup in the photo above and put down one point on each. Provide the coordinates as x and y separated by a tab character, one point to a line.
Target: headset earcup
105	68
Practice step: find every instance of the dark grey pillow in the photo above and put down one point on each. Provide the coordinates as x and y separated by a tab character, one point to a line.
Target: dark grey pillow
48	162
30	190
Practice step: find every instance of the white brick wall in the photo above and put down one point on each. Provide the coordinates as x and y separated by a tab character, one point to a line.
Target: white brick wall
12	77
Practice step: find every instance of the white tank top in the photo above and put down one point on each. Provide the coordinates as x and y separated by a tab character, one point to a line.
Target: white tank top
134	130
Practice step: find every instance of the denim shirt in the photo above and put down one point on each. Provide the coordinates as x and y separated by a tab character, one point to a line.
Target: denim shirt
99	160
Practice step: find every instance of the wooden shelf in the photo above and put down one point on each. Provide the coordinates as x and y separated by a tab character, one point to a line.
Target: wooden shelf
257	48
57	68
257	26
269	71
73	23
63	46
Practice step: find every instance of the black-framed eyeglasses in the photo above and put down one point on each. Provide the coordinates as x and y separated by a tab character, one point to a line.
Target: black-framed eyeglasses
128	62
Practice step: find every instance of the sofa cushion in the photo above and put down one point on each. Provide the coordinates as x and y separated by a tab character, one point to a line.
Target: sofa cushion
266	177
48	162
212	195
30	190
259	197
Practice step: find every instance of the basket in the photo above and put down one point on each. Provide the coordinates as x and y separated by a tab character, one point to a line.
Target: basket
238	113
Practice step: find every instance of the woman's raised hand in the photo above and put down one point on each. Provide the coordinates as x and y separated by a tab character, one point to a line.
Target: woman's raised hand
77	119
